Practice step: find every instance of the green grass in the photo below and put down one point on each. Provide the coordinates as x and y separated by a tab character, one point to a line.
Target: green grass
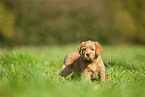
32	72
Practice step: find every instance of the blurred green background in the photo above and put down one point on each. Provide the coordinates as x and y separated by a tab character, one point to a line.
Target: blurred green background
47	22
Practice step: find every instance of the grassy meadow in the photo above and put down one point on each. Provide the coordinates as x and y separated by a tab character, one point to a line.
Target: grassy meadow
32	72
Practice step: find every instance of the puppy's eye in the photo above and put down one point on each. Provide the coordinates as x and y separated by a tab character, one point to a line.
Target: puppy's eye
84	48
92	49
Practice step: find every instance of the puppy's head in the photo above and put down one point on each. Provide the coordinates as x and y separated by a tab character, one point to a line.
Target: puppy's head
90	50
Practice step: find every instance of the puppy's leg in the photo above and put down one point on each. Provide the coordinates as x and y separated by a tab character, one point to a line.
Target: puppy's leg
102	76
65	71
88	76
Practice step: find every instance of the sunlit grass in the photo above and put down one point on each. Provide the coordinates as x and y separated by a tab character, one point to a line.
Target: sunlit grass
32	72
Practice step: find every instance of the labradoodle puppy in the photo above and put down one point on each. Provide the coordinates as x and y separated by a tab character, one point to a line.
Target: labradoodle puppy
87	61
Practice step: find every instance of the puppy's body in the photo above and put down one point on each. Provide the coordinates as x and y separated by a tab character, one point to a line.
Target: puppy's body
87	62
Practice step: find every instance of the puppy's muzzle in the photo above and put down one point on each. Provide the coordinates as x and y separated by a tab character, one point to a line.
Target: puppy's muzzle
87	54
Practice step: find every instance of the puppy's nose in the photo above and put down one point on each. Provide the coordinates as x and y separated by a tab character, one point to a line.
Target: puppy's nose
87	54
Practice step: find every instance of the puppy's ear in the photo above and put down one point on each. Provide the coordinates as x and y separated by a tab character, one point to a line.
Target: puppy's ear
80	48
99	48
